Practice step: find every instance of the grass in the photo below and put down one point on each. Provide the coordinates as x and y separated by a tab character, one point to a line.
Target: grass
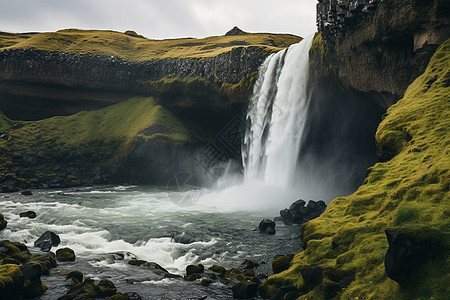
409	191
133	47
112	129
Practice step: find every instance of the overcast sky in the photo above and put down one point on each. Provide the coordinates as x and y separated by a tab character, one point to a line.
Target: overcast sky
160	19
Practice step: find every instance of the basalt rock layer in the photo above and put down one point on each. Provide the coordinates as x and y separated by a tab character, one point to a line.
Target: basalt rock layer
382	46
61	73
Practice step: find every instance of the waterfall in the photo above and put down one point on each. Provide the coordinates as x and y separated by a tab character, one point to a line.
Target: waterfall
276	117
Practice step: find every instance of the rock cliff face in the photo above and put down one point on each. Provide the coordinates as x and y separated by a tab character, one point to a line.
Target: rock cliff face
61	73
55	78
382	46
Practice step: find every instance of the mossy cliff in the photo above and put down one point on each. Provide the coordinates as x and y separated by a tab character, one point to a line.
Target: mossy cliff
408	191
93	147
64	72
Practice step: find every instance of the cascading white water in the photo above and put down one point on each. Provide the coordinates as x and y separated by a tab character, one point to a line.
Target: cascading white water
277	115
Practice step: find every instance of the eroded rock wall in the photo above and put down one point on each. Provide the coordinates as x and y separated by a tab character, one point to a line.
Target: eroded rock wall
382	46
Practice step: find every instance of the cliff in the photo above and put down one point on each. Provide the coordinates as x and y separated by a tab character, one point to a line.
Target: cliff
64	72
382	46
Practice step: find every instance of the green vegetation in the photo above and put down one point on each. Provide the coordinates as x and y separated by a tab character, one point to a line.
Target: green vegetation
410	192
107	134
133	47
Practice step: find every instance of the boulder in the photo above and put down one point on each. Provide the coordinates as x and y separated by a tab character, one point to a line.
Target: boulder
281	263
3	222
218	269
65	254
267	226
32	286
191	269
76	277
106	288
245	290
406	254
47	240
11	282
298	213
249	264
27	193
28	214
183	238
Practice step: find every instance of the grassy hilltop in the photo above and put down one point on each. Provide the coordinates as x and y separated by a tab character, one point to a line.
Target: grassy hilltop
133	47
409	191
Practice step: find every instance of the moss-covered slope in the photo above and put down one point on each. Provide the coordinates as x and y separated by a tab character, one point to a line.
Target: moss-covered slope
132	47
409	191
70	148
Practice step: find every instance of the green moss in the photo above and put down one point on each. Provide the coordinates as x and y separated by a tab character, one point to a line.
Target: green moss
103	136
410	192
320	64
133	47
11	280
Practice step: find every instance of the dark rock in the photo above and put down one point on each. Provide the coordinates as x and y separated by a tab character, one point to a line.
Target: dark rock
84	290
218	269
65	254
12	282
33	285
280	264
267	226
191	269
298	213
183	238
235	31
205	282
28	214
47	240
312	276
244	290
27	193
193	277
106	288
406	254
75	276
249	264
3	222
133	296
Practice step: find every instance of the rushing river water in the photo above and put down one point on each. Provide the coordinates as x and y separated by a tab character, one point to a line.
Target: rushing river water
139	222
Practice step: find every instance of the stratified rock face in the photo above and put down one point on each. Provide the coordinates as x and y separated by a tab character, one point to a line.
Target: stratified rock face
382	46
37	84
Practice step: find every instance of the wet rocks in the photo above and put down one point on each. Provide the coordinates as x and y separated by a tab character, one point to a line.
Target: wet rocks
11	281
33	286
267	226
26	193
28	214
3	222
281	263
298	213
65	254
191	269
245	290
183	238
47	240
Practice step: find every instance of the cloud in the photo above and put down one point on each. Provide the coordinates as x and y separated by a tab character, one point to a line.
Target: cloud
161	19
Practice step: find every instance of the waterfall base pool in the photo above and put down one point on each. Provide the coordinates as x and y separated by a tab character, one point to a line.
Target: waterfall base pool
139	222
